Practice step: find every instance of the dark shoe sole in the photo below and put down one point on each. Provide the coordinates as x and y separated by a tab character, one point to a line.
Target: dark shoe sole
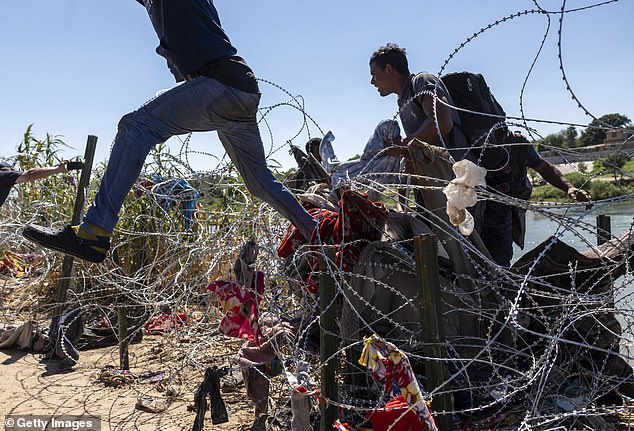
64	240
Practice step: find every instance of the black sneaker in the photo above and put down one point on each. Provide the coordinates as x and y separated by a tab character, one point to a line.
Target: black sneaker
66	241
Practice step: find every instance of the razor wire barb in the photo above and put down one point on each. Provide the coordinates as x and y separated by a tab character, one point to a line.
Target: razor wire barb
539	362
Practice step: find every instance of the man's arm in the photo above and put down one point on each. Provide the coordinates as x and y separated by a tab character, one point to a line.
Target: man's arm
39	173
427	131
553	176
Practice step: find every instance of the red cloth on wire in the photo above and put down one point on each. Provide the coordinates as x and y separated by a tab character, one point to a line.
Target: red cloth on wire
240	306
396	415
358	222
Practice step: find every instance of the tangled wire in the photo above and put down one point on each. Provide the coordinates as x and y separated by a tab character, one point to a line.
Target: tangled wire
542	345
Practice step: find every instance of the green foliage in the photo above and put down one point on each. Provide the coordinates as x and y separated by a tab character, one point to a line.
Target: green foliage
582	167
33	152
566	138
613	164
556	140
52	197
594	134
570	135
547	193
628	168
576	179
604	190
599	189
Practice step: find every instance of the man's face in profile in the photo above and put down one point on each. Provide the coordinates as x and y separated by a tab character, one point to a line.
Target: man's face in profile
380	78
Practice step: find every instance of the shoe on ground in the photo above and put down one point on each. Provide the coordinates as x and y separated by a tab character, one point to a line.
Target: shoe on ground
66	241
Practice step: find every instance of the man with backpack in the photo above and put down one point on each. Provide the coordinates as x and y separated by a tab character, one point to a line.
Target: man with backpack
477	132
422	116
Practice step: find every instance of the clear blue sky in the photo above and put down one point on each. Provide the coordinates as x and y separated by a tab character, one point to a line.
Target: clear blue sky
74	67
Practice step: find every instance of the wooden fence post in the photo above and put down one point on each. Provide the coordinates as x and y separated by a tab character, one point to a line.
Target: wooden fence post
604	229
426	250
122	321
328	339
84	179
124	341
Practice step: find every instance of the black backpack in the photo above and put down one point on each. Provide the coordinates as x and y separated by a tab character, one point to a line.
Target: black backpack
470	91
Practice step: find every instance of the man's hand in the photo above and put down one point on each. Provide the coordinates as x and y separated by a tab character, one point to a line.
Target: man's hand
74	166
579	195
397	151
398	147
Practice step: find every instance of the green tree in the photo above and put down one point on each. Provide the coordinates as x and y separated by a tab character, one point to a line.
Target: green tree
571	137
566	138
612	164
594	134
554	140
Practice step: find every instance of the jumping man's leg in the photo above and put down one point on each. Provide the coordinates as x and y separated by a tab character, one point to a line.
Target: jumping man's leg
241	138
180	110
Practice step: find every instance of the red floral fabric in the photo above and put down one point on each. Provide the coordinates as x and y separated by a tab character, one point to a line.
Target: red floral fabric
240	306
385	361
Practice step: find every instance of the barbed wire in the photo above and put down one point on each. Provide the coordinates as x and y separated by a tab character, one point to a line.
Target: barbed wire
543	345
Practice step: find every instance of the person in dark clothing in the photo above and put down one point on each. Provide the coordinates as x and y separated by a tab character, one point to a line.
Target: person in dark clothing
312	147
9	176
502	224
219	92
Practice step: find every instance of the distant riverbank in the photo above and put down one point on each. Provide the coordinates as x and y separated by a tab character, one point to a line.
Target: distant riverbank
602	184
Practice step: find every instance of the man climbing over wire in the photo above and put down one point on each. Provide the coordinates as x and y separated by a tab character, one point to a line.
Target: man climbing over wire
422	117
220	93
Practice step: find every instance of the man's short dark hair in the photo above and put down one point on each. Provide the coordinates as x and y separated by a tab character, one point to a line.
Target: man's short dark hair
391	54
311	143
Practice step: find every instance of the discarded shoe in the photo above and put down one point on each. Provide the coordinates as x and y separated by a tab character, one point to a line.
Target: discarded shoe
66	241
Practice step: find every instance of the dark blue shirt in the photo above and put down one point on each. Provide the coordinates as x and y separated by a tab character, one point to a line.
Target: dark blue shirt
189	32
523	156
7	180
512	179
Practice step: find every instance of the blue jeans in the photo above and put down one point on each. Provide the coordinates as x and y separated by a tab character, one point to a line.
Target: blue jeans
202	104
496	232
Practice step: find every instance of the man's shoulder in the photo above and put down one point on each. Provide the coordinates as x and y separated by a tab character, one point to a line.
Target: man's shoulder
426	81
525	153
8	177
424	76
532	156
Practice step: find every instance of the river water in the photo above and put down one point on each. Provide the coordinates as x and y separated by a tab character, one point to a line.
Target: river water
539	227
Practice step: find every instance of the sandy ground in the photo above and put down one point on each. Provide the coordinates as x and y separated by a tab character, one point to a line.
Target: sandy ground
31	387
